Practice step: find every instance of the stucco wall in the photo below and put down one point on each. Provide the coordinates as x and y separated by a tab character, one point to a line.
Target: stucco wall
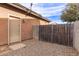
27	28
4	13
76	36
27	25
42	22
3	31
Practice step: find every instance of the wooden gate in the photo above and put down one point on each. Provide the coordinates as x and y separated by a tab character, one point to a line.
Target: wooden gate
61	34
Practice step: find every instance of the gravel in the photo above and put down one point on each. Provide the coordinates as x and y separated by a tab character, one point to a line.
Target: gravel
40	48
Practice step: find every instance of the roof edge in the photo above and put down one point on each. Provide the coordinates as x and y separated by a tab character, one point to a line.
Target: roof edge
21	7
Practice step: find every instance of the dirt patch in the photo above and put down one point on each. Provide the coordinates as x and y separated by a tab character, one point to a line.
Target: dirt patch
39	48
4	49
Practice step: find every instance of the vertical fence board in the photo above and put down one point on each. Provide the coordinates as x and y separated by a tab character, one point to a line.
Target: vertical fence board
60	33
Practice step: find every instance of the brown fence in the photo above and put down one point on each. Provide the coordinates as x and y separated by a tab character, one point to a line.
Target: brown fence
61	34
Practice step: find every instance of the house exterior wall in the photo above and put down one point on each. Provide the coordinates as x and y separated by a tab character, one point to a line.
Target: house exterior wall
3	31
4	16
76	35
42	22
4	13
26	27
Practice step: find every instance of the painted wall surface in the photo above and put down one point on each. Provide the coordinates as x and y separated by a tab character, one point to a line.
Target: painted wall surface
76	35
4	16
26	30
4	13
42	22
3	31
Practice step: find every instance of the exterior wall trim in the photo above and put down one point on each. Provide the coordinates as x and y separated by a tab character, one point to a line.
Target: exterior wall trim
9	15
8	29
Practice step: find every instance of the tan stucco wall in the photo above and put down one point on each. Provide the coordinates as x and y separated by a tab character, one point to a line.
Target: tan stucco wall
26	27
4	13
3	31
4	16
42	22
76	36
26	30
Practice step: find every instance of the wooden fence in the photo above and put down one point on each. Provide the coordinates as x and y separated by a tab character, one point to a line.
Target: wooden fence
60	34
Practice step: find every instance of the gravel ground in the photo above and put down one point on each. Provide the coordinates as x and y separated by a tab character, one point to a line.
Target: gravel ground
39	48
